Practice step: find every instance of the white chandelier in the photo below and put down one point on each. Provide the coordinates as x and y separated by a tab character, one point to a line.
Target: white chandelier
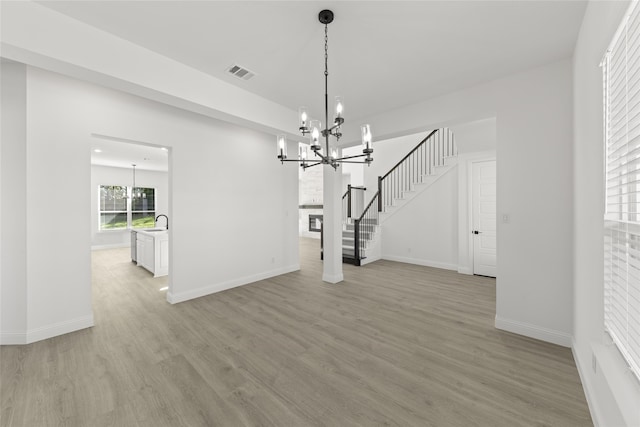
314	129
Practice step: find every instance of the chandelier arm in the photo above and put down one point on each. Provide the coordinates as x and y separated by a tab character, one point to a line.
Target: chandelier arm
311	165
349	161
335	126
351	157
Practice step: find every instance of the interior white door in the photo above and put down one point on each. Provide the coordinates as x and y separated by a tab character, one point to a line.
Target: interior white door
484	218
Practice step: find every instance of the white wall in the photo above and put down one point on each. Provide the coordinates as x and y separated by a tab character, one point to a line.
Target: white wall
354	170
475	136
533	112
612	393
425	230
13	203
58	234
535	186
105	175
222	174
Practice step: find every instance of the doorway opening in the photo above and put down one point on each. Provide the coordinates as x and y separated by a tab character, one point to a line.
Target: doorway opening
130	217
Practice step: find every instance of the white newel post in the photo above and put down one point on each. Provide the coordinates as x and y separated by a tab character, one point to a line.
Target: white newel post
332	224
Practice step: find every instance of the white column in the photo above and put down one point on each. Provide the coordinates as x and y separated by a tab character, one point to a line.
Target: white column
332	224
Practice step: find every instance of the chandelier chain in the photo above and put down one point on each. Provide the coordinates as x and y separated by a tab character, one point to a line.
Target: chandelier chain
326	49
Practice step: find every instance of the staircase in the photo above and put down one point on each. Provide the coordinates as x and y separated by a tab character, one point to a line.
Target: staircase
418	170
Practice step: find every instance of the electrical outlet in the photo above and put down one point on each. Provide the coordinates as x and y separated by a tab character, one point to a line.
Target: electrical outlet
273	260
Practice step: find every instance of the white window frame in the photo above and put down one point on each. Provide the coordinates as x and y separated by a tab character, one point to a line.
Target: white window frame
621	99
129	208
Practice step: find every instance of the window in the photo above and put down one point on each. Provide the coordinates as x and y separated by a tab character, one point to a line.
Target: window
621	75
125	207
143	207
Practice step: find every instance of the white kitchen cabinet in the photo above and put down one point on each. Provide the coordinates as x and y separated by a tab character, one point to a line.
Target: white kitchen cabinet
161	255
152	247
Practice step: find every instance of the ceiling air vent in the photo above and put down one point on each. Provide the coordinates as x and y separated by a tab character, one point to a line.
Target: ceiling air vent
240	72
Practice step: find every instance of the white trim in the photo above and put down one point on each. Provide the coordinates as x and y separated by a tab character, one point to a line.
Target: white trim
175	298
13	338
61	328
45	332
621	27
418	261
465	270
592	403
533	331
336	278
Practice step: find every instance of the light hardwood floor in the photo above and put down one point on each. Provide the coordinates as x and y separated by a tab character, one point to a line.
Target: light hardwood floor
394	344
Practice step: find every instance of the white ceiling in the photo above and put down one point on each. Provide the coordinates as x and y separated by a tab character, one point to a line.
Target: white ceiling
382	54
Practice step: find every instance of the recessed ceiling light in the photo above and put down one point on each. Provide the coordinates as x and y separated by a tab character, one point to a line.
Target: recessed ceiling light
97	150
164	148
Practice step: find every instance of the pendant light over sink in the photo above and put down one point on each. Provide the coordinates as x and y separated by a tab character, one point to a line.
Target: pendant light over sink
134	194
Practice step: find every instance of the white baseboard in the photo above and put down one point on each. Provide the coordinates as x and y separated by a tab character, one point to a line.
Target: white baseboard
45	332
369	259
175	298
534	331
594	409
424	262
465	270
337	278
13	338
112	246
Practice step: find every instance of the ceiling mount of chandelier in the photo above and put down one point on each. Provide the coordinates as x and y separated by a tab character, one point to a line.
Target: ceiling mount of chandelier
314	129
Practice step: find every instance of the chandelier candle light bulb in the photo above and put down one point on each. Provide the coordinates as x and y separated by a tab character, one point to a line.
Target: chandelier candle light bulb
315	135
366	139
302	155
339	119
282	147
304	120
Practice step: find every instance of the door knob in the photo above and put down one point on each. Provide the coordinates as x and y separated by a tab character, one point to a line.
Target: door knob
476	232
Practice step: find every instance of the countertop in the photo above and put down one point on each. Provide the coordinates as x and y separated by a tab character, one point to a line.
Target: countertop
152	231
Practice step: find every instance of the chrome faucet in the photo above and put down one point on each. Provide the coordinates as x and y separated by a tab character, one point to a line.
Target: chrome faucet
166	217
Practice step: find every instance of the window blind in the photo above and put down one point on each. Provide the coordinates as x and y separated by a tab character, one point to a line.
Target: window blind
621	78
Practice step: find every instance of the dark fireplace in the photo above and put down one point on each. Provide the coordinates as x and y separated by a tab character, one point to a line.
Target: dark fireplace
314	222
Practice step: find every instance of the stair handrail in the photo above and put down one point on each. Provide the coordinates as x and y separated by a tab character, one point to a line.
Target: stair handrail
347	195
364	211
409	165
410	153
356	228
